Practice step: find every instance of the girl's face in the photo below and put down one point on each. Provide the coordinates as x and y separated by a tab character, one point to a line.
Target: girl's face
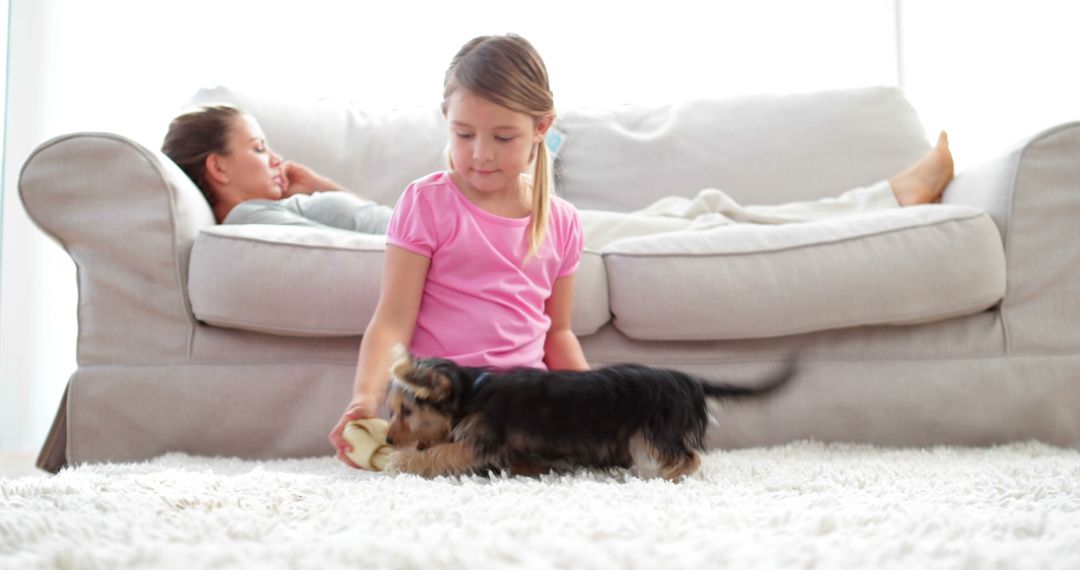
253	170
490	145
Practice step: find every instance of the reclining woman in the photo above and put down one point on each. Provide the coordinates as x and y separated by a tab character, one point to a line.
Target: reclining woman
224	151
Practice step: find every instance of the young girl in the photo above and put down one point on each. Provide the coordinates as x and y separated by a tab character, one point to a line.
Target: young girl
480	260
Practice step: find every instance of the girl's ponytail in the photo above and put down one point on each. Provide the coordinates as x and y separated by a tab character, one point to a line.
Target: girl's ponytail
541	193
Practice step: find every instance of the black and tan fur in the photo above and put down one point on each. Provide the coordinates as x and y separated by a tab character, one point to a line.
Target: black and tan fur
450	420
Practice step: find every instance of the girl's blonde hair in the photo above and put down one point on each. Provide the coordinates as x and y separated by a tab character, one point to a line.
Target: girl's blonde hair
508	71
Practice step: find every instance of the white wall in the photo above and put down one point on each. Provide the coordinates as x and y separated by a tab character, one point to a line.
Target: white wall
127	66
991	72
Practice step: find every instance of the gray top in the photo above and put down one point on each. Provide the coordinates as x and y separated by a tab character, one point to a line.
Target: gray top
331	209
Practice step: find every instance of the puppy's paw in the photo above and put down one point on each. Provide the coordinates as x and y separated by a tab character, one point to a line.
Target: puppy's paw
403	461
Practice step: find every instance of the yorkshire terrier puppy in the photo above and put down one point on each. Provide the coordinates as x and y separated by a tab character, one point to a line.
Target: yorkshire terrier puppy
452	420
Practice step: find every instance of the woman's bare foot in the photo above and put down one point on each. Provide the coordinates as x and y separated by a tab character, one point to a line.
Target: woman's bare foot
924	181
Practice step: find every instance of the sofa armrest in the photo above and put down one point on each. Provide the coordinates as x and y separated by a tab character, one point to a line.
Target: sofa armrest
128	217
1033	194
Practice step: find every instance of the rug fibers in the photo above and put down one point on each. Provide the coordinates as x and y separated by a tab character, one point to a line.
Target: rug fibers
804	505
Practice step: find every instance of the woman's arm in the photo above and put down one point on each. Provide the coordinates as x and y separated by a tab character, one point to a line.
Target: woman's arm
562	351
303	180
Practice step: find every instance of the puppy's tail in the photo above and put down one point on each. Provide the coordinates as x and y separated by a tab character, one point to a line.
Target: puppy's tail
772	384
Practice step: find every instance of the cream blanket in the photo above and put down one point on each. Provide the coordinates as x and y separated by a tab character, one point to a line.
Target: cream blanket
712	208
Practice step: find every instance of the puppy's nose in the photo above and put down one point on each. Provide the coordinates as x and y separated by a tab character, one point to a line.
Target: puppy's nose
389	440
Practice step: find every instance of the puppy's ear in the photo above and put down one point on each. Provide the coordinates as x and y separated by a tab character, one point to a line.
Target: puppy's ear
423	382
401	362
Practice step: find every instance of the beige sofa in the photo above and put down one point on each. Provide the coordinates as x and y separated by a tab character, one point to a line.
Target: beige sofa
953	323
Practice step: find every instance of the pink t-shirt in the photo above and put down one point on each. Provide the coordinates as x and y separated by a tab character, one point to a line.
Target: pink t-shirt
481	306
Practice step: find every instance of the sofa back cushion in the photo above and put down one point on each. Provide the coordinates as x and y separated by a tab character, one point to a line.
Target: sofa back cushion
758	149
373	153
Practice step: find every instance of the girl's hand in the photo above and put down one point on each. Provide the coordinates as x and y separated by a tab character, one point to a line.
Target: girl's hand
359	408
303	180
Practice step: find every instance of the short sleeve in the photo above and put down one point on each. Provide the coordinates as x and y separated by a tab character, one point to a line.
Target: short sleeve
574	243
412	225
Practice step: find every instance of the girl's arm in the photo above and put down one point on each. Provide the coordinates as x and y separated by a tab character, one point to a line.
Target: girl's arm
404	273
562	351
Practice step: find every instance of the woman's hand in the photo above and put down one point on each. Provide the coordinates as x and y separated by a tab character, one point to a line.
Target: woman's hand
359	408
303	180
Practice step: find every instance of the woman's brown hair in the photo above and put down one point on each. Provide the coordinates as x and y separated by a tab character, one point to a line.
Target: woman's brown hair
508	71
196	134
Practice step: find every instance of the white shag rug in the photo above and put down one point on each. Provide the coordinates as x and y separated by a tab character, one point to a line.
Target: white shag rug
805	505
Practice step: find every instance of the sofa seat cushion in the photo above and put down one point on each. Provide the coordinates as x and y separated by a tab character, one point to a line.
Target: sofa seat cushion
299	281
900	266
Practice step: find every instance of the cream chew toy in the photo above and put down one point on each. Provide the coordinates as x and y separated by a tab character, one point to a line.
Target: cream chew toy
368	439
